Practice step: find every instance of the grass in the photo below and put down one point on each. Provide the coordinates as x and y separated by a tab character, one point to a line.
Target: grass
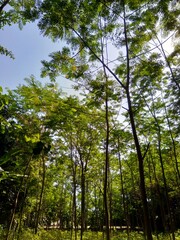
27	234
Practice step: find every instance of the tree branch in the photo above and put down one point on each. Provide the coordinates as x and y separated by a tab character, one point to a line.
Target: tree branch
99	59
144	155
3	5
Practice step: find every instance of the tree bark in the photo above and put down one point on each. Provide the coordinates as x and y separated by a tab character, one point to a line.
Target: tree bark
106	171
147	224
41	194
83	192
74	214
165	183
125	208
17	199
82	202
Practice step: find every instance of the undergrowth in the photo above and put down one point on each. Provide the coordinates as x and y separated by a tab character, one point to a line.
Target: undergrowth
28	234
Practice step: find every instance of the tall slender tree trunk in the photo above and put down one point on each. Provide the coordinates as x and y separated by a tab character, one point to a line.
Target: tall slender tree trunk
74	185
125	208
147	224
74	213
165	184
107	169
22	208
161	217
41	194
171	221
74	205
110	201
83	194
162	211
16	200
82	202
87	204
106	207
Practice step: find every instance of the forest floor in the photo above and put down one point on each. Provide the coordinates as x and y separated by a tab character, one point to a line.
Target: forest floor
90	235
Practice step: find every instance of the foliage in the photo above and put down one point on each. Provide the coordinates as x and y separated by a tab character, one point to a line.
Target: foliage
57	234
67	160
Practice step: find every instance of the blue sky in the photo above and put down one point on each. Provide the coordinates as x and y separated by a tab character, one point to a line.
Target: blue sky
29	48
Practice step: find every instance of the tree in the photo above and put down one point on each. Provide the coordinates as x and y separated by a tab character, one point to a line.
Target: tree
85	136
84	33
